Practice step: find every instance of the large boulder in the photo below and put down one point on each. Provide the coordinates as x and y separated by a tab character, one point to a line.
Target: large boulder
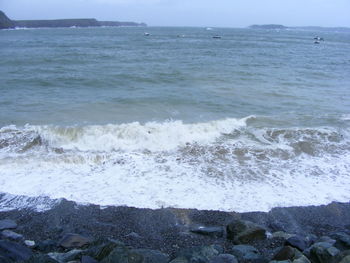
247	253
14	251
323	252
74	241
7	223
297	242
243	232
342	240
290	254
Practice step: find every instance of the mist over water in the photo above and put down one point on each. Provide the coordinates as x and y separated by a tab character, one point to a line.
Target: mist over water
251	121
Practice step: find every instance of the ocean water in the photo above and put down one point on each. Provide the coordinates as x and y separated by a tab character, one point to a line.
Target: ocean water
109	116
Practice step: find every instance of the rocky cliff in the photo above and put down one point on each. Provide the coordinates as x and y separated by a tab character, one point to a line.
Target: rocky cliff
5	22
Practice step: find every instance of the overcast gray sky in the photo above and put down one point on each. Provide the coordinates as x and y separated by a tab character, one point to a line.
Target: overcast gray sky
224	13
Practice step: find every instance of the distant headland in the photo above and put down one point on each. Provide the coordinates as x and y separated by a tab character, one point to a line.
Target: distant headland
312	28
7	23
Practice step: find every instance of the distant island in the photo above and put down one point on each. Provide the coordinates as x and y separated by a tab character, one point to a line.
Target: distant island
271	26
311	28
7	23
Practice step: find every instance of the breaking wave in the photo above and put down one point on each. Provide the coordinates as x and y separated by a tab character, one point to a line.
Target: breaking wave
228	165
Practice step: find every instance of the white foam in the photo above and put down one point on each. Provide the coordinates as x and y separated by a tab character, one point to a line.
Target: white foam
247	170
151	136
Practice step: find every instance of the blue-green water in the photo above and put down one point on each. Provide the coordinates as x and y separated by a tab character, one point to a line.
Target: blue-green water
250	121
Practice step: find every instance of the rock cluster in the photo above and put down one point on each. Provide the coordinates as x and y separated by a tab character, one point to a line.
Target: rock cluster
238	241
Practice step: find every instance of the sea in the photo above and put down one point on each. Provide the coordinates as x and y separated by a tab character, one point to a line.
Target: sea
112	116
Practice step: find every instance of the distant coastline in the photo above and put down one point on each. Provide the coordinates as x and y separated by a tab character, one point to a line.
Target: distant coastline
311	28
7	23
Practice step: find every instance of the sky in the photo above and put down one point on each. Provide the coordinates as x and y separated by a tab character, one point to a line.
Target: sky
203	13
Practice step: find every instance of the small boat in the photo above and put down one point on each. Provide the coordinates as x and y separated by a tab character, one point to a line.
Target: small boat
217	36
317	42
208	29
317	38
146	34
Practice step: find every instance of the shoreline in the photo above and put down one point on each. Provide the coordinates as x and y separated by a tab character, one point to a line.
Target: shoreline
170	230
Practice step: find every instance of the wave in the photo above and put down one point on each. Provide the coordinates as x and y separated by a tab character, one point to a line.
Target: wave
228	165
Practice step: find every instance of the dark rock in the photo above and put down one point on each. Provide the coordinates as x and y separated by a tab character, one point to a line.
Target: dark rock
297	242
241	231
286	253
323	252
345	260
40	259
202	254
246	253
65	257
342	240
214	231
224	258
7	223
14	251
74	240
87	259
102	251
11	235
290	254
46	245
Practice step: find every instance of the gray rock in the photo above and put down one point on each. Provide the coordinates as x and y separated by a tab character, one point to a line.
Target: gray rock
11	235
7	224
285	253
64	257
345	260
224	258
301	259
342	240
46	245
241	231
199	254
246	253
74	241
297	242
213	231
99	252
323	252
40	259
326	239
87	259
14	251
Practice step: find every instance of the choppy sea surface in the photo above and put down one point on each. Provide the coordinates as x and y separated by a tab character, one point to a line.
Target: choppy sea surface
109	116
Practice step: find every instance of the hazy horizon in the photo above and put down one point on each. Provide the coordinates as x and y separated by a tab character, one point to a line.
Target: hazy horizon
222	13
